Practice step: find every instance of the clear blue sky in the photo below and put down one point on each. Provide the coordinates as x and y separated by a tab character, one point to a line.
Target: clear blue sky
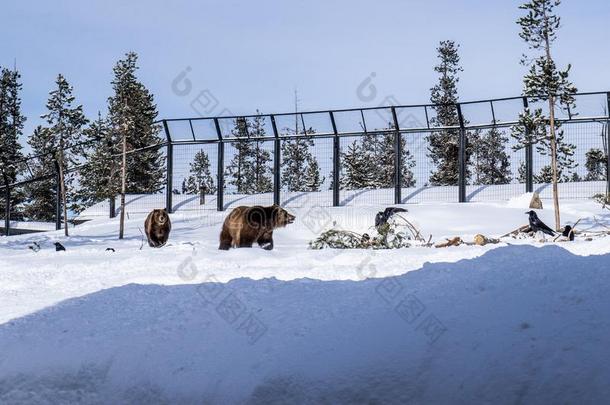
252	54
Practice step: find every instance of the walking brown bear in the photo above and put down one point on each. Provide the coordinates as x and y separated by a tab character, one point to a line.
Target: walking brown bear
245	226
157	226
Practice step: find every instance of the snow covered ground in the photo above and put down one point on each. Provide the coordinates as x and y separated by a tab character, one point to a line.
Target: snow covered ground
508	323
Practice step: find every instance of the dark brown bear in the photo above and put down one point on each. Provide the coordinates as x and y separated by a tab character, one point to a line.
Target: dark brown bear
157	226
245	226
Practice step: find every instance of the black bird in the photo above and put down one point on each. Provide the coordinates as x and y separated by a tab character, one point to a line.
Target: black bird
59	247
537	225
35	247
382	217
568	232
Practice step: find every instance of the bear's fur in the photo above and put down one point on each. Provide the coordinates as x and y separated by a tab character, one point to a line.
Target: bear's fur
245	226
158	227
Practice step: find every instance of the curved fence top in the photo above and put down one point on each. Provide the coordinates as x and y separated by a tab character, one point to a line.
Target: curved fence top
499	112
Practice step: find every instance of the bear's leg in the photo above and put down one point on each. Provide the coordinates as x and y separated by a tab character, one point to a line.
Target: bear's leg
225	240
245	243
266	241
162	240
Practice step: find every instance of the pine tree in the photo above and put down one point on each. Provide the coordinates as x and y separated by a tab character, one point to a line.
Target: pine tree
546	83
240	168
379	149
200	178
300	169
42	194
313	181
575	178
100	178
491	162
358	170
11	128
132	112
596	165
443	147
521	175
261	157
545	176
65	122
133	107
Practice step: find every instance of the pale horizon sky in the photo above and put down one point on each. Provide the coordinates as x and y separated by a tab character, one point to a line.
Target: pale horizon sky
252	55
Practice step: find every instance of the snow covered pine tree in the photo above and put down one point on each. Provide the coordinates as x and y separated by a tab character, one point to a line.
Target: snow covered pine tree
443	147
40	204
370	163
200	180
261	157
596	165
100	178
358	171
11	128
63	136
131	113
249	170
300	169
490	160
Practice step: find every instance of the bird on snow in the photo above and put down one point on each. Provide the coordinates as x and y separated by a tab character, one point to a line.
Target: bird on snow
537	225
59	247
35	247
568	232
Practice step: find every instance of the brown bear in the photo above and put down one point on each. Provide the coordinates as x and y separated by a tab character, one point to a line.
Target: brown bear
157	226
247	225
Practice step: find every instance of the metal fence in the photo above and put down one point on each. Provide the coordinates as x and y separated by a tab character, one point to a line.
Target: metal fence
331	133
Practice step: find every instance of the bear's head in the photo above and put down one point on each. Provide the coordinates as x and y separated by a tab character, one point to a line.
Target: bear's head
281	217
160	216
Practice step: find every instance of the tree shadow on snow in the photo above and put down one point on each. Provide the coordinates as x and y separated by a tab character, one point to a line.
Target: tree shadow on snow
464	331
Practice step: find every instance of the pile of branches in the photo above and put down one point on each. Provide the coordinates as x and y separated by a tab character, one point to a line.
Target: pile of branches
479	240
567	234
396	234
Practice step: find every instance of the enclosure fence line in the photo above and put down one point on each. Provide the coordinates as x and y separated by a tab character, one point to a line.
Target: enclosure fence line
336	127
219	137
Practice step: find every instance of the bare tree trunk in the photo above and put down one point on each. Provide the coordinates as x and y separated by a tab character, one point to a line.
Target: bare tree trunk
123	182
554	162
62	184
553	135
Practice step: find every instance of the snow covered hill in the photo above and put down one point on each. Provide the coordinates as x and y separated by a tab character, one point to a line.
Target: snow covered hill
141	204
525	322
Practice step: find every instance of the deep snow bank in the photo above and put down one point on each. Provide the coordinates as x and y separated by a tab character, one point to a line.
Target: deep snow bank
518	324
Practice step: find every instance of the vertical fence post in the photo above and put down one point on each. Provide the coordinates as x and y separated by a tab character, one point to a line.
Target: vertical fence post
221	168
276	163
529	157
170	176
112	205
607	144
336	162
57	198
170	170
397	159
461	157
7	207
